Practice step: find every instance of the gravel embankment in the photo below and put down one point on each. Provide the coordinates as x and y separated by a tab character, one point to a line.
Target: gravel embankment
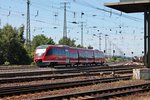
137	96
77	89
55	80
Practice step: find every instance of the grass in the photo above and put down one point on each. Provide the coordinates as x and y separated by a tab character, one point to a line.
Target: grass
17	66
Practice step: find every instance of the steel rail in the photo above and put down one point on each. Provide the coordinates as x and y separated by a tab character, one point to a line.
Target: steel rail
77	70
101	94
15	90
59	76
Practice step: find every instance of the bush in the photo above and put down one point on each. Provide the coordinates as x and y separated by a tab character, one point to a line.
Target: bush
6	63
115	59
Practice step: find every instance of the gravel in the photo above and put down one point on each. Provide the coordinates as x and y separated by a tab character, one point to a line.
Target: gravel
77	89
137	96
54	80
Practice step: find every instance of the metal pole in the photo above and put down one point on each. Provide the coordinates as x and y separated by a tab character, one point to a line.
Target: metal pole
113	49
100	41
106	44
110	48
28	39
65	22
148	38
82	34
145	58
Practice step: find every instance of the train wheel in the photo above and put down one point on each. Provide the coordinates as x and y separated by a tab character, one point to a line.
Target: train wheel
51	65
95	64
39	63
66	65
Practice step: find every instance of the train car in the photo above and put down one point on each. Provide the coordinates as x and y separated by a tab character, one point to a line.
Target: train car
99	57
51	55
73	56
86	56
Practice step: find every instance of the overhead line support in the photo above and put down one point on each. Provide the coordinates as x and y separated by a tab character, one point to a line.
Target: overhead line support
28	35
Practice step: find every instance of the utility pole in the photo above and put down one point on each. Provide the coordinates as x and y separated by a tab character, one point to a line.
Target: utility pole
82	34
100	41
81	31
114	50
65	20
28	39
106	45
110	44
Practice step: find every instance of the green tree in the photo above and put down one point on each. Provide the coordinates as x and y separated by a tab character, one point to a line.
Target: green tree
1	49
90	47
12	48
67	41
50	41
20	34
79	46
41	40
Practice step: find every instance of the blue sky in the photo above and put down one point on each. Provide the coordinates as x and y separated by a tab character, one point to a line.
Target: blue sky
125	31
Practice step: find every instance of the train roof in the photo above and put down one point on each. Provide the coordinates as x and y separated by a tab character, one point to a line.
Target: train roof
66	46
42	46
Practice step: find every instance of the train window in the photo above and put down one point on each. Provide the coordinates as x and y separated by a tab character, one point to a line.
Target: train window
102	55
73	55
50	52
80	54
40	52
83	54
90	55
76	55
86	55
58	51
63	52
97	54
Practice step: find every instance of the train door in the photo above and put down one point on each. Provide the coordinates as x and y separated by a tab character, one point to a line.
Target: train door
86	57
67	56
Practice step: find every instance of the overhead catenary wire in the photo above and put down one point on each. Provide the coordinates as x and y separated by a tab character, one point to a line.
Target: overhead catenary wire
39	10
84	3
41	21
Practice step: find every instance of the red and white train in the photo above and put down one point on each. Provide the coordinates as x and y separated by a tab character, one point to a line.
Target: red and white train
51	55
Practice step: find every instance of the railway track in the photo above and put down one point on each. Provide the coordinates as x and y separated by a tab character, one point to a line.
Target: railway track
63	71
101	94
16	90
58	76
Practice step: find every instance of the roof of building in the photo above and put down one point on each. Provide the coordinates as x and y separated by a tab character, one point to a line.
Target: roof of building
130	6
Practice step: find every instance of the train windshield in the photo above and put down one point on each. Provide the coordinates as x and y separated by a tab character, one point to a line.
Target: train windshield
40	52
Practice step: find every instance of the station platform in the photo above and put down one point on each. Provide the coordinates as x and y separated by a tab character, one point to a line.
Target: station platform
142	73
